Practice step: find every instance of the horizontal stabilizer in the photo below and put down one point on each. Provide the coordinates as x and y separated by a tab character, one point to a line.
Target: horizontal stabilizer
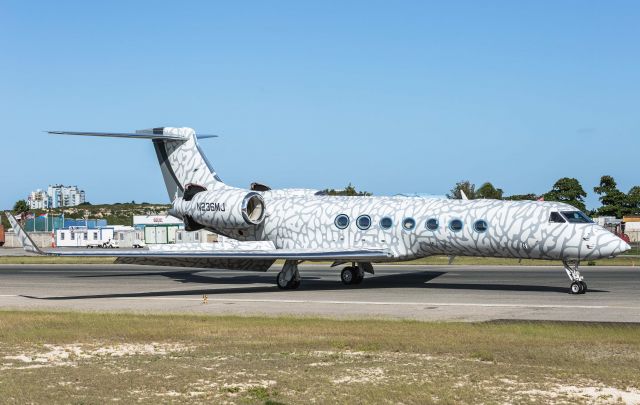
144	134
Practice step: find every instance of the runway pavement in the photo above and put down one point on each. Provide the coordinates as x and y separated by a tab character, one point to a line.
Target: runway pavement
465	293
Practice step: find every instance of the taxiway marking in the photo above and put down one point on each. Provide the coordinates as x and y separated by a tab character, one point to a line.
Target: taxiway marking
380	303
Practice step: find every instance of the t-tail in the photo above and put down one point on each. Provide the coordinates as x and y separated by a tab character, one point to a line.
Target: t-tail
181	160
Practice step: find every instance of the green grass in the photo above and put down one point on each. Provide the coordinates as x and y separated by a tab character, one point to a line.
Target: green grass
289	360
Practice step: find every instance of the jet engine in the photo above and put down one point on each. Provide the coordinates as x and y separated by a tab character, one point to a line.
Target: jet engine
222	210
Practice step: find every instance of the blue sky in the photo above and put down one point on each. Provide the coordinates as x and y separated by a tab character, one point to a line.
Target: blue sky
391	96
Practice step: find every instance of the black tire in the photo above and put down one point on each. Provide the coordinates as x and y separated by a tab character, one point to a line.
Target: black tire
291	285
575	288
584	287
348	275
359	275
280	281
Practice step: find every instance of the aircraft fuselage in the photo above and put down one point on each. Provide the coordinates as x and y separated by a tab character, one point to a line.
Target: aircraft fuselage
418	227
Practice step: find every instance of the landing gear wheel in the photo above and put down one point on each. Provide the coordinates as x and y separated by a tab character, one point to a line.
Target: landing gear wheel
284	285
281	282
352	275
584	287
359	275
348	276
576	288
289	277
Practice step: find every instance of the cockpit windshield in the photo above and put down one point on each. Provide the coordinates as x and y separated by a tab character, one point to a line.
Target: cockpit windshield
556	218
576	217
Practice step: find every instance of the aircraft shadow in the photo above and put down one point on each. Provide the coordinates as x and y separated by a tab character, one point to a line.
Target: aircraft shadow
419	279
192	276
312	283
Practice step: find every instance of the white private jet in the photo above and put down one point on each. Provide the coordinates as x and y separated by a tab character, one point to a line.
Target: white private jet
304	225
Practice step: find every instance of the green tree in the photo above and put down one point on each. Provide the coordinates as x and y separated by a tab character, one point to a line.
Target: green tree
632	202
568	190
521	197
466	186
487	190
613	200
20	207
349	190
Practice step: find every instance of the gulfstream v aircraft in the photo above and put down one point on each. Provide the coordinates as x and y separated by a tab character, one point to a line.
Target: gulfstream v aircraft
304	225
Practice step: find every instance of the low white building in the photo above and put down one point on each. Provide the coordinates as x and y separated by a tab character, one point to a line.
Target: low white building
118	235
80	236
605	221
128	236
158	229
632	228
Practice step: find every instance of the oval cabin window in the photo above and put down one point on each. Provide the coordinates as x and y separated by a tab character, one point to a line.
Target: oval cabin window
364	222
455	225
408	224
386	223
481	225
342	221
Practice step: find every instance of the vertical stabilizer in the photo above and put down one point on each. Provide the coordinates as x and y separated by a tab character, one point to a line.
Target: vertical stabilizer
182	161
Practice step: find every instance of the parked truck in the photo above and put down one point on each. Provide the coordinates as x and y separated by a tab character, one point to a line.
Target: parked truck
1	235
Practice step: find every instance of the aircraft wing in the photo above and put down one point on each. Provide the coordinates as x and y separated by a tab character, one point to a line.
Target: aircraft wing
261	251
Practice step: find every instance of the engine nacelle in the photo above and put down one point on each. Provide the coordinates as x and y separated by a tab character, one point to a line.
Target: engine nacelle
220	210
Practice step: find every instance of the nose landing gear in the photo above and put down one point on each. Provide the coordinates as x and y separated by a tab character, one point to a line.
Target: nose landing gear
578	286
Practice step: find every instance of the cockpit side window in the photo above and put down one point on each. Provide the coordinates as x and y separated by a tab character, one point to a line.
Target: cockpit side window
556	218
576	217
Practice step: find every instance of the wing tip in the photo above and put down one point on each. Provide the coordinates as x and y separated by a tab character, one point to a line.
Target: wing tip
25	240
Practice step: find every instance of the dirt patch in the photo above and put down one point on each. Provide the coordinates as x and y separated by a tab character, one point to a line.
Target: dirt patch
68	355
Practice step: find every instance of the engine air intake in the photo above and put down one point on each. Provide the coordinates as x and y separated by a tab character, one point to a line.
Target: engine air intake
253	208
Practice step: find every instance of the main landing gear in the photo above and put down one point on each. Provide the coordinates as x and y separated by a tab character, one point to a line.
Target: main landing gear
289	276
354	274
578	286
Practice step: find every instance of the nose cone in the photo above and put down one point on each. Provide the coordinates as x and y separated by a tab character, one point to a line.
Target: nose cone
615	247
604	244
625	247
